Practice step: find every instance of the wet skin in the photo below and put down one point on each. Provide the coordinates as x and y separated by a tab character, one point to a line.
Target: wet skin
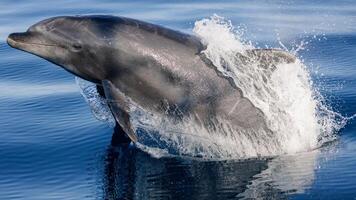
135	63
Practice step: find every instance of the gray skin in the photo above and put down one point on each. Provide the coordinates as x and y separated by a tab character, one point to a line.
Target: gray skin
156	68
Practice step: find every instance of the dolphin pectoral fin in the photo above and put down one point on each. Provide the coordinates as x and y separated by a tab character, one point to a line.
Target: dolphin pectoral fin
100	90
119	105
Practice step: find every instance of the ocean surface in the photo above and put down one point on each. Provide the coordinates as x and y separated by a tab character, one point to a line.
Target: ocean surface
52	147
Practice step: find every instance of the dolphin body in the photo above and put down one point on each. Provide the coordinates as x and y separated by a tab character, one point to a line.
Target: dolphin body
141	64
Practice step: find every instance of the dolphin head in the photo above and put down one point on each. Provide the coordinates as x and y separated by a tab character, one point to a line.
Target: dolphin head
66	41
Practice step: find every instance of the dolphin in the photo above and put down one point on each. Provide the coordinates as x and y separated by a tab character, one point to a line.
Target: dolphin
142	64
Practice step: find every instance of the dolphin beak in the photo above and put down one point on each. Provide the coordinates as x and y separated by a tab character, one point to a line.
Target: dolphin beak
14	39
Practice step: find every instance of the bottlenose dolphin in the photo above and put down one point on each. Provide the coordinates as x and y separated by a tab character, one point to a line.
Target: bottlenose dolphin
146	65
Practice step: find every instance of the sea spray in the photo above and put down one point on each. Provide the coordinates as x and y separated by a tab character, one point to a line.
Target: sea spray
293	108
294	111
98	105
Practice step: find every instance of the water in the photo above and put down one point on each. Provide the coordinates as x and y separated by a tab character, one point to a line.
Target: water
52	147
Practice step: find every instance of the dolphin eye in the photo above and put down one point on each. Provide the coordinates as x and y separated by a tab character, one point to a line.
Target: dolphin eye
77	47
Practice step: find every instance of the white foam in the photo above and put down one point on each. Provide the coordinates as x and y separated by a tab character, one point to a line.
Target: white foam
287	98
293	109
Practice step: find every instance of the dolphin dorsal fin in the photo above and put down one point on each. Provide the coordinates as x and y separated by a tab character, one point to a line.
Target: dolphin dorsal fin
120	107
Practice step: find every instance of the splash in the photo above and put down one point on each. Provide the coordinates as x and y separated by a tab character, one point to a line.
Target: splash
295	113
97	103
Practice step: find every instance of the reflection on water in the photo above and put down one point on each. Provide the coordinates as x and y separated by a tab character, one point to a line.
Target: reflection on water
133	174
284	175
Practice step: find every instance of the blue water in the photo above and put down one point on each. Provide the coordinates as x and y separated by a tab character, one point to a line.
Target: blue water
51	147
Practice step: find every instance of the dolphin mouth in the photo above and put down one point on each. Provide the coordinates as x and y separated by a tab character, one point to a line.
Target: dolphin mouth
16	40
34	43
